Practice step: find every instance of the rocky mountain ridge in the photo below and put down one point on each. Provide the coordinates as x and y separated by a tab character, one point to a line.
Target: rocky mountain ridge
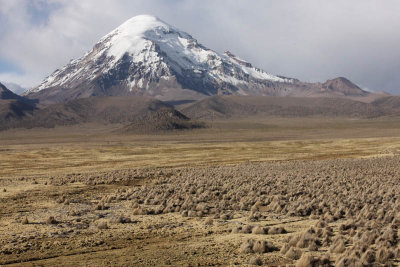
146	56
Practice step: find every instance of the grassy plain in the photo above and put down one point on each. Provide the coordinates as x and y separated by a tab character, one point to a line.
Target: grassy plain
70	172
80	149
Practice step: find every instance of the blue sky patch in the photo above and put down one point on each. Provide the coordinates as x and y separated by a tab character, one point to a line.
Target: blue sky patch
39	11
8	67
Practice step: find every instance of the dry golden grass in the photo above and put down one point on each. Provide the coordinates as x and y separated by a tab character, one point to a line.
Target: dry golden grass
44	159
87	148
326	207
195	197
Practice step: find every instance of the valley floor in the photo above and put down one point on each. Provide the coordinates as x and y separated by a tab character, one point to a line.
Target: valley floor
271	191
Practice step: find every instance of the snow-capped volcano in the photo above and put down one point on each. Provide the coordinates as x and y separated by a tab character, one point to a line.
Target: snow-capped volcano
145	56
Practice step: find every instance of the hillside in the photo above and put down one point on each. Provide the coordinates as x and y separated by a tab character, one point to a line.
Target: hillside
13	107
90	110
5	93
223	107
389	104
161	121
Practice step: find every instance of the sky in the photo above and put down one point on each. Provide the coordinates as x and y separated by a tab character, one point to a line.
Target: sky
311	40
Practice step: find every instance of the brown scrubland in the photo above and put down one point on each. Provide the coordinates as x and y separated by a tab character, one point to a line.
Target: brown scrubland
266	191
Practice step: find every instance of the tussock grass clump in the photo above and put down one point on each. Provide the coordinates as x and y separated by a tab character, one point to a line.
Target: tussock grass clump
284	248
258	230
251	229
396	252
256	261
208	221
51	220
102	225
254	216
383	255
184	213
307	260
348	261
122	219
25	220
345	228
259	246
389	235
264	247
321	224
293	253
368	257
338	246
292	241
236	229
138	211
102	206
247	246
306	239
61	199
312	246
226	216
247	229
368	238
75	212
324	260
276	230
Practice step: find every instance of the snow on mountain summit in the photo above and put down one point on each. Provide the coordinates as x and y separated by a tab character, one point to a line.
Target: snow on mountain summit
135	35
145	55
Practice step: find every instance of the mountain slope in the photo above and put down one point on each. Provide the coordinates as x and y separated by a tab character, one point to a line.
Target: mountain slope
104	110
15	88
5	93
223	107
344	86
160	121
13	106
391	104
11	110
146	56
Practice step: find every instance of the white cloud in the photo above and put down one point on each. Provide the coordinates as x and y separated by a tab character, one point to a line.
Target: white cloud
16	88
20	79
312	40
